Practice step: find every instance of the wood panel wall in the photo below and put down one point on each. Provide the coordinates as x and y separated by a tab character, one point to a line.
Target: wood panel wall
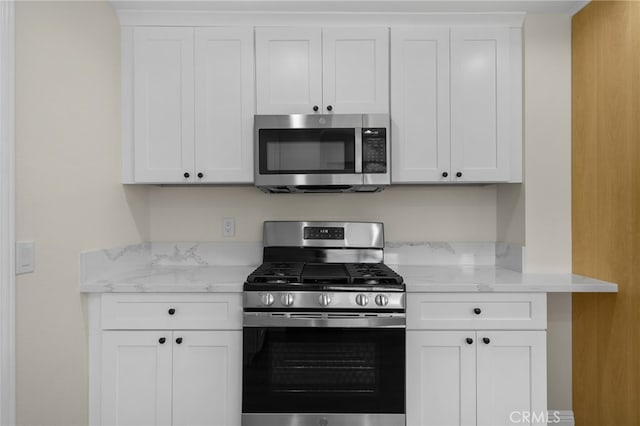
606	212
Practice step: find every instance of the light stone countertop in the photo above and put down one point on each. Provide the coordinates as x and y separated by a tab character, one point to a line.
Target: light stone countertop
172	279
418	278
452	279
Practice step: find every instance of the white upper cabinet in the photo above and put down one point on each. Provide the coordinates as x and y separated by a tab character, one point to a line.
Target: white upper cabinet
456	105
480	106
307	70
224	103
163	104
288	70
355	70
420	105
188	109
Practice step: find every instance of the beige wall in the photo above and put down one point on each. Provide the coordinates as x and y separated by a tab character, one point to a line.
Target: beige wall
68	195
547	188
416	213
69	198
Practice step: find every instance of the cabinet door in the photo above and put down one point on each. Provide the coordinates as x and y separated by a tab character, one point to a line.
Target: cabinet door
441	386
163	104
420	105
480	104
288	70
224	105
207	378
355	64
136	378
511	377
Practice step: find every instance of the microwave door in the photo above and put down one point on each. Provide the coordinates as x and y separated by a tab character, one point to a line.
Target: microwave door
309	151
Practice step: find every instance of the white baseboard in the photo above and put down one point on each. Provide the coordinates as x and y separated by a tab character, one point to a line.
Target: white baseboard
561	418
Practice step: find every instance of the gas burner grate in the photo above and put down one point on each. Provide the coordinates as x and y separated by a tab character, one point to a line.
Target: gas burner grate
277	273
372	274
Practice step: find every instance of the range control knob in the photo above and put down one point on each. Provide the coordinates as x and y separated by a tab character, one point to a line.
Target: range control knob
362	300
324	299
286	299
382	300
267	299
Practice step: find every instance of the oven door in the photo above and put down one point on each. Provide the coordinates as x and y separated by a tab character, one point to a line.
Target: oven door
323	375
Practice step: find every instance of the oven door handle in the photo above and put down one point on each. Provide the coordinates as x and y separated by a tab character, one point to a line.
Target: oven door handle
276	319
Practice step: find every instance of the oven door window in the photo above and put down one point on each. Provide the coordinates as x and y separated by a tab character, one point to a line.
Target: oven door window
323	370
306	151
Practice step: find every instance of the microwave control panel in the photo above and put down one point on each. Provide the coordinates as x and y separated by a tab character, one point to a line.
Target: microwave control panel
374	150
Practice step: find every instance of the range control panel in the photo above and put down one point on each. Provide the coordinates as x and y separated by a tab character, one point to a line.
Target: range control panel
374	150
323	233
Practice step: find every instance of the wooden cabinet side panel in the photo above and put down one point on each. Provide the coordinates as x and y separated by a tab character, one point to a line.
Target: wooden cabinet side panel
606	211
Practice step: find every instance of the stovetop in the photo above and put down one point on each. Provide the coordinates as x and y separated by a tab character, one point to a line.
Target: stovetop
324	266
301	276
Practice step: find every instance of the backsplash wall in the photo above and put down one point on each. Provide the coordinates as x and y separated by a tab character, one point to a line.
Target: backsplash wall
410	213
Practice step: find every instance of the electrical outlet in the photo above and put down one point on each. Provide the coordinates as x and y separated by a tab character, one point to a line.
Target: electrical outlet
228	226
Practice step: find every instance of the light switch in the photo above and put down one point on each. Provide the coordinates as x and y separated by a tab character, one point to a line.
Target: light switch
25	257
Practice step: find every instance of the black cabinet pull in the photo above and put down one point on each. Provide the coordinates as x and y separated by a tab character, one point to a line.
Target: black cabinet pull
329	108
186	175
179	340
486	340
162	340
477	311
469	340
172	311
459	174
445	174
200	175
315	108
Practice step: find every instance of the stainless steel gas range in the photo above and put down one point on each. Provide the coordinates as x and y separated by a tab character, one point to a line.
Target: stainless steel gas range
324	329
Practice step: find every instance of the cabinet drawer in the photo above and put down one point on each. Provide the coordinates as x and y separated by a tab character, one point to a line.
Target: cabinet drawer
172	311
462	311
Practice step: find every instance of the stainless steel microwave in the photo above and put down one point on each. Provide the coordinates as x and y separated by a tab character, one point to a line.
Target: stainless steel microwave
322	153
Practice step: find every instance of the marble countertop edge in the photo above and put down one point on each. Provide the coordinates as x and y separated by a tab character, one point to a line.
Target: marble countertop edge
418	278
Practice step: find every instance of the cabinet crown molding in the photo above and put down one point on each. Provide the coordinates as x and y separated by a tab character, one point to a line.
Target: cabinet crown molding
567	7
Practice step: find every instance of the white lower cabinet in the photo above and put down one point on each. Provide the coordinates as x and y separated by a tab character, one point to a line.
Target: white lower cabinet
166	376
136	378
479	376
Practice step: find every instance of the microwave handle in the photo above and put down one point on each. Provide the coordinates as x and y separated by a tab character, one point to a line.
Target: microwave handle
358	149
